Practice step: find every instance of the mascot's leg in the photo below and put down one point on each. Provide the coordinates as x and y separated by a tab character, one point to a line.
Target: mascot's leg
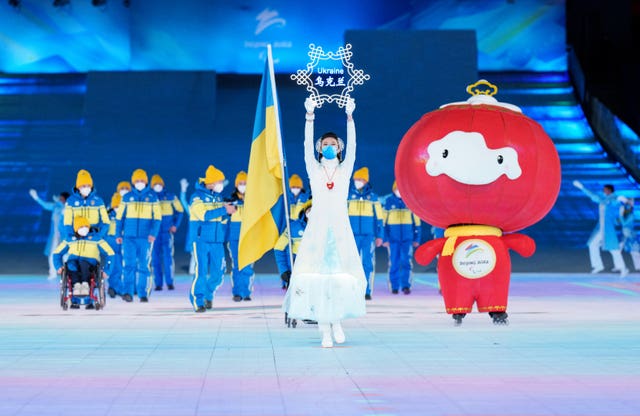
493	293
456	291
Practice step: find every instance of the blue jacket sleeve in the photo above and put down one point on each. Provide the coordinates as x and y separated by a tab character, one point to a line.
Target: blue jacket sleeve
157	219
215	213
58	253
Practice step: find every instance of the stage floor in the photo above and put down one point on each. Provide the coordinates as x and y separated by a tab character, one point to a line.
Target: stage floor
572	348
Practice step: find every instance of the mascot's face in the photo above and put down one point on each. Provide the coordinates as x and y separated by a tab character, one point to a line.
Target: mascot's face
478	164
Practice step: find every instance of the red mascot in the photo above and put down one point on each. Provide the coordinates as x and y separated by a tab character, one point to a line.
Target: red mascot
482	170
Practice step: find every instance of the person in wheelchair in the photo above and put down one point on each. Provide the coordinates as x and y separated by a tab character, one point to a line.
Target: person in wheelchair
84	250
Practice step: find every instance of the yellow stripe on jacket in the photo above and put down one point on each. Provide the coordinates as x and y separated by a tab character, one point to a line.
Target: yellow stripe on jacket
401	216
85	248
199	208
93	213
140	209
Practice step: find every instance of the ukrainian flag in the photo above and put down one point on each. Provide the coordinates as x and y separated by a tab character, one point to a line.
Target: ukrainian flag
264	215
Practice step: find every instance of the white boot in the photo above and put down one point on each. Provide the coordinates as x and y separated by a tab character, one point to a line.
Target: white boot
85	288
325	330
338	333
77	289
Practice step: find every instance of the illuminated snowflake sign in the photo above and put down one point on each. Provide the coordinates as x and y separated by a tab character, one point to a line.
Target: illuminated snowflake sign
323	77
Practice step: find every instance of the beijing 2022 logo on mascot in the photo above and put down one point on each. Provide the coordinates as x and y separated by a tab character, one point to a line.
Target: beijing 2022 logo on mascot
482	170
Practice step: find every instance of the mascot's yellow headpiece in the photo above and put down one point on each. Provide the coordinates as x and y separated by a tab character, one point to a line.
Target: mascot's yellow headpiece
79	222
361	174
213	175
139	175
83	179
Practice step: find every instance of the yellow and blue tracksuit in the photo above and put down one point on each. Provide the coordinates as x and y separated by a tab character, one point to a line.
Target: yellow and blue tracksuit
138	217
296	203
281	249
242	280
172	213
210	221
115	276
92	208
84	252
366	218
401	231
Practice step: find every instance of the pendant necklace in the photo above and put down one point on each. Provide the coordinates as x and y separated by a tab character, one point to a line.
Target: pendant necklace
330	178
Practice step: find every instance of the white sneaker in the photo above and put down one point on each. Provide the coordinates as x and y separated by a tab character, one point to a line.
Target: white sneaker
85	288
338	333
597	270
624	272
77	289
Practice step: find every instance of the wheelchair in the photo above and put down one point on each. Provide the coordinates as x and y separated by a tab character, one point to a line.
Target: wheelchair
96	289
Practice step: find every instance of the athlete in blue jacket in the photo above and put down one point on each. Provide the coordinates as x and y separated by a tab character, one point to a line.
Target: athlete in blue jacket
366	217
210	217
83	250
115	276
172	213
297	196
401	236
241	279
138	221
84	202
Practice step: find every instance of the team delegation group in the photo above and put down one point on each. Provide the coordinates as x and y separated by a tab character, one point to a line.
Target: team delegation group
135	234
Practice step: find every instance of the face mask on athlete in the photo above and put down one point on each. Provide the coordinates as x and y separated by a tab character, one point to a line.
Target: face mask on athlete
158	187
218	188
83	231
358	184
329	152
140	185
242	188
295	191
123	192
85	190
397	193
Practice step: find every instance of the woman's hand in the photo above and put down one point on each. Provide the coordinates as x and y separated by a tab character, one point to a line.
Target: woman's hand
310	105
349	107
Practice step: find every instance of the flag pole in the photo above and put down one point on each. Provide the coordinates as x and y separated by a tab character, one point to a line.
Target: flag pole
283	162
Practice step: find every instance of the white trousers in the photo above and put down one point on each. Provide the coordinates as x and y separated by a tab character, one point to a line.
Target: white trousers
596	258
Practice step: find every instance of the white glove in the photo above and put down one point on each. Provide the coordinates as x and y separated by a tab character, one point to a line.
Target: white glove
350	106
183	185
310	105
33	193
578	184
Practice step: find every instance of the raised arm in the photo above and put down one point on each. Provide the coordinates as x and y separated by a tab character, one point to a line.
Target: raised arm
594	197
309	156
48	206
350	153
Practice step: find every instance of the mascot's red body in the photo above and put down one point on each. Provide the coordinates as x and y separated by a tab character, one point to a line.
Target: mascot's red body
481	170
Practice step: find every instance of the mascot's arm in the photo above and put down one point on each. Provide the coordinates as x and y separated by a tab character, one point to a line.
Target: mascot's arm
429	250
520	243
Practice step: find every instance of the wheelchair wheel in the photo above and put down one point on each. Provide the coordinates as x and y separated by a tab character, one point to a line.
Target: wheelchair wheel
102	300
64	301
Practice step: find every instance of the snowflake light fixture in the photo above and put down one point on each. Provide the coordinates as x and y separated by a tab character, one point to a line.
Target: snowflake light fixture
322	82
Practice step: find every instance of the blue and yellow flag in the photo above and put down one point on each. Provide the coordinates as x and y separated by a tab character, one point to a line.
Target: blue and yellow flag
264	215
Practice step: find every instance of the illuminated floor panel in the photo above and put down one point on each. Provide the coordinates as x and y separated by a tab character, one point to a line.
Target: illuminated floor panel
572	348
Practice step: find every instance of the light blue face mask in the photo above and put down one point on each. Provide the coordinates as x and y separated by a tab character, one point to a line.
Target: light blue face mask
329	152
